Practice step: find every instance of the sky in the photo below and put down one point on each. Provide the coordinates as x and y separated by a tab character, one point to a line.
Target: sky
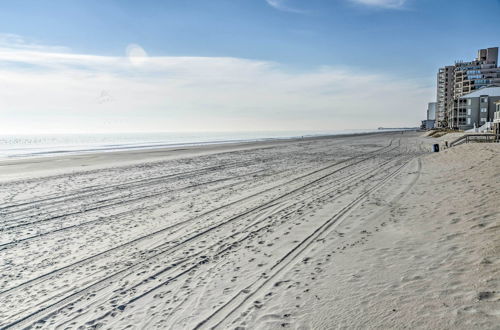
86	66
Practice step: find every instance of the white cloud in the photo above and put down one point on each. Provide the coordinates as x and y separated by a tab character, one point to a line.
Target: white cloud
282	5
52	91
389	4
18	42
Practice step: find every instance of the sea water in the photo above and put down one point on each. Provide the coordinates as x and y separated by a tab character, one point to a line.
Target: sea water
15	146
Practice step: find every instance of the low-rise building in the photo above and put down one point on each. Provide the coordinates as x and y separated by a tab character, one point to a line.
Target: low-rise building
478	107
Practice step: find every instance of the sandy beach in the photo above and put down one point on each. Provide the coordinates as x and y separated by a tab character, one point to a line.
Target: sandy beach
363	231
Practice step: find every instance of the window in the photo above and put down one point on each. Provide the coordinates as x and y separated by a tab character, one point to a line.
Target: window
468	121
483	120
484	99
468	112
469	101
484	109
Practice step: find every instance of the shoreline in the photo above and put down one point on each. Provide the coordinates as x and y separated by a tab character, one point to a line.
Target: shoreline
25	167
115	146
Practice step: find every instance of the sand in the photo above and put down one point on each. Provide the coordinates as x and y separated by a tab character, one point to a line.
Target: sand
369	231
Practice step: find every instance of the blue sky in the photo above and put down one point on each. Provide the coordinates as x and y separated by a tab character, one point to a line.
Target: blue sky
322	52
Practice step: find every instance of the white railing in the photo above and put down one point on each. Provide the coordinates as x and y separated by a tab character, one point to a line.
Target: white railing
496	119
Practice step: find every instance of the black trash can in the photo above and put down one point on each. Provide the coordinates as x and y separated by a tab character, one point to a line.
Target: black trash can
435	147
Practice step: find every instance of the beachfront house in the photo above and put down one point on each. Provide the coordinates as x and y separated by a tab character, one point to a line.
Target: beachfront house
478	107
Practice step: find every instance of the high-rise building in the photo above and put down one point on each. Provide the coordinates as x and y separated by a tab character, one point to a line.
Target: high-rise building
430	121
445	83
431	111
481	72
460	79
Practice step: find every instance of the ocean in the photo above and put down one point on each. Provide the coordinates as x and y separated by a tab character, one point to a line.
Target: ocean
17	146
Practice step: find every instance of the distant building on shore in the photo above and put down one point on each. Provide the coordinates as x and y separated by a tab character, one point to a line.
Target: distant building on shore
430	121
479	107
456	80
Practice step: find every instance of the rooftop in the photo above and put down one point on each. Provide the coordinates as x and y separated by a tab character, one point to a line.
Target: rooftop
490	91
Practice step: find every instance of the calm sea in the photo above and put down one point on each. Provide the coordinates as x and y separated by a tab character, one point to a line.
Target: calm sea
52	144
